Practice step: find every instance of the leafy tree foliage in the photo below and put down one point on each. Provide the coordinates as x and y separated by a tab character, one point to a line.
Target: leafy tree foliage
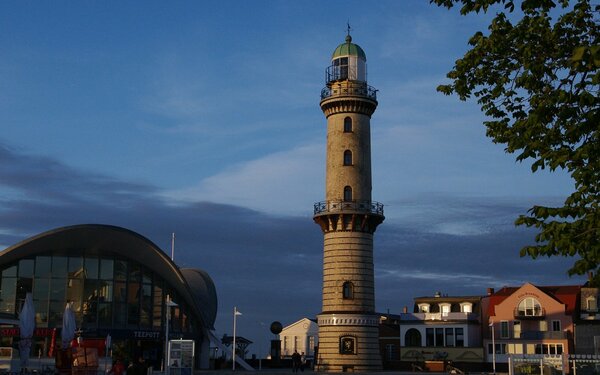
536	76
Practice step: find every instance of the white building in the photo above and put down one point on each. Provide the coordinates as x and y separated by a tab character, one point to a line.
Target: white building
301	336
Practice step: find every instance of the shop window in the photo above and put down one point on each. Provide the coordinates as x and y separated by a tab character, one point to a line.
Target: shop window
106	269
347	157
460	337
439	337
412	337
91	268
348	125
449	337
429	337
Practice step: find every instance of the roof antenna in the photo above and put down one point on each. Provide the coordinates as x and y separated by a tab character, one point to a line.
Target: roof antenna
348	37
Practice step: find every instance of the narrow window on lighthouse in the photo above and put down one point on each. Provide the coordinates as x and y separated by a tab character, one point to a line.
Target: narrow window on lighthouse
348	290
348	125
348	194
347	157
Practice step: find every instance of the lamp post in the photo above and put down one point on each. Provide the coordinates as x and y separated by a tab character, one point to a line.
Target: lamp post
493	347
235	314
168	305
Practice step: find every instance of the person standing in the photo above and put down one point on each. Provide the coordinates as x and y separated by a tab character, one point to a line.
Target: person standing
295	361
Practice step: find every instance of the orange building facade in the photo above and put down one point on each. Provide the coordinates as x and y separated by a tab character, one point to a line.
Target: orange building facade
529	320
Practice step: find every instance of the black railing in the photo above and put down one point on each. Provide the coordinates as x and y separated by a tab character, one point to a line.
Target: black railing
369	207
350	89
530	313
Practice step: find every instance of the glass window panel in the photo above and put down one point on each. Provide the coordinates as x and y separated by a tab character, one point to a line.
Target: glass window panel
105	291
58	289
559	349
55	313
90	301
158	297
133	313
157	316
91	268
9	271
26	268
9	293
24	286
146	276
75	294
135	272
76	267
104	314
120	314
43	266
59	267
106	269
439	337
41	313
429	337
120	292
460	338
120	270
449	336
41	288
134	292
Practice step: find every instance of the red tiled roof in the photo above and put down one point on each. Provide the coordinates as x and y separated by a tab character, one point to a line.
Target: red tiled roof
565	294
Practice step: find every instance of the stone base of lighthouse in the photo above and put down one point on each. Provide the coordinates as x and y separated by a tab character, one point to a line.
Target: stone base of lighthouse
348	343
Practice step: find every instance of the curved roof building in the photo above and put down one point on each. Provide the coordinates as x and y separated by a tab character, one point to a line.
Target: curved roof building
118	282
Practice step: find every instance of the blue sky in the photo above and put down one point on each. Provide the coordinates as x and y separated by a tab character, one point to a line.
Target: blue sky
202	118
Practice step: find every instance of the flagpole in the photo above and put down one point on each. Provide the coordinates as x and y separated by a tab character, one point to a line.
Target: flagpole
235	314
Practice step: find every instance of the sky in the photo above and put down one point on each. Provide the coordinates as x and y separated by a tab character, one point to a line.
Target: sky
203	119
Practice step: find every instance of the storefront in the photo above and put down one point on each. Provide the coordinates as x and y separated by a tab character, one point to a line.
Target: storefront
118	282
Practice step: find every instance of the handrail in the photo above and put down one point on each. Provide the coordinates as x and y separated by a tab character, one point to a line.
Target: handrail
370	207
349	89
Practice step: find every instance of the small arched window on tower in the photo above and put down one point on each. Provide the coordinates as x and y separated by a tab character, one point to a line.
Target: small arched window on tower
348	125
348	290
347	194
347	157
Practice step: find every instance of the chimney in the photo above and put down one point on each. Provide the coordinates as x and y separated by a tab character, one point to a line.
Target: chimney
490	291
405	310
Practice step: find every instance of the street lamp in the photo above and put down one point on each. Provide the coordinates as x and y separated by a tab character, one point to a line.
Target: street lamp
493	347
168	305
235	314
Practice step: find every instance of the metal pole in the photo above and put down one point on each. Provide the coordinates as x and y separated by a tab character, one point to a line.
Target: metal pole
493	349
166	359
173	246
233	346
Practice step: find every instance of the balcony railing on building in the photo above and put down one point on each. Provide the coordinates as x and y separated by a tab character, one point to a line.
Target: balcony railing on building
340	206
530	313
349	89
451	316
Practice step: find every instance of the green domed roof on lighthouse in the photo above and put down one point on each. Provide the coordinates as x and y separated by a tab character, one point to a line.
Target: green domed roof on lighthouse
349	49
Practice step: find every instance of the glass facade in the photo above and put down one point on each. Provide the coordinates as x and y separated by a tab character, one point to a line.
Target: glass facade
109	294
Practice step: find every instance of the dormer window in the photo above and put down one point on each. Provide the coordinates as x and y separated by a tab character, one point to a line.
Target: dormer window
423	307
591	304
466	307
445	309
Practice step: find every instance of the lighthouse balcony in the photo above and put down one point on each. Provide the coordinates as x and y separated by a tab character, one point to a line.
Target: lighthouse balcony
340	206
347	88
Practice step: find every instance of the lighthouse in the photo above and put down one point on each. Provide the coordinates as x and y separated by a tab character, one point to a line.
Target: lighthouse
348	325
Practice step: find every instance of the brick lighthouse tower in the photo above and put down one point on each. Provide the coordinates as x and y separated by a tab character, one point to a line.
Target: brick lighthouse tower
348	325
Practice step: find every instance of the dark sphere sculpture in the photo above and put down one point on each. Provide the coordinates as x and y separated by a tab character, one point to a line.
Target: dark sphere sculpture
276	328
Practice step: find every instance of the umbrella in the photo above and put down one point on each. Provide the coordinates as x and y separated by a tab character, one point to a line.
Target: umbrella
68	327
26	327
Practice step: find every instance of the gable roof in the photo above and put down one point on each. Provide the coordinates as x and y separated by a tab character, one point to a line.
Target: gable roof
568	295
